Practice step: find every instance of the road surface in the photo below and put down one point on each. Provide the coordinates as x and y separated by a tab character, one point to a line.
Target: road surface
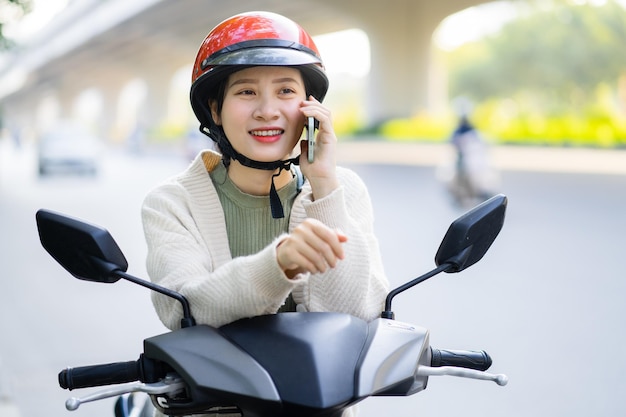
546	302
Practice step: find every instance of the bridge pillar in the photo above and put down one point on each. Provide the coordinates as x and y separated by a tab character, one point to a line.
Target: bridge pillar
403	79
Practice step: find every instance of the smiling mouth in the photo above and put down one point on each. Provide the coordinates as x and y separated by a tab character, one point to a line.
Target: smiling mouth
267	133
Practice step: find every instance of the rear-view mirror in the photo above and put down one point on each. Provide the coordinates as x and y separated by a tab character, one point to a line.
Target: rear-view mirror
86	251
469	237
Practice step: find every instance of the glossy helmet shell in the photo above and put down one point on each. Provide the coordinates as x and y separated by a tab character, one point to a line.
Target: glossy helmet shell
252	39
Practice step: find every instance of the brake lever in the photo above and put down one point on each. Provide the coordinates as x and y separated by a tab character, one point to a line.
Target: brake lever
499	379
169	385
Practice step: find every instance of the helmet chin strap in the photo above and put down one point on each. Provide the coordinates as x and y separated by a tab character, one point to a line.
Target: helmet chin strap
275	204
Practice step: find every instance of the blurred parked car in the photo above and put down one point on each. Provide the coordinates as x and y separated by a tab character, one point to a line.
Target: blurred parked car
68	148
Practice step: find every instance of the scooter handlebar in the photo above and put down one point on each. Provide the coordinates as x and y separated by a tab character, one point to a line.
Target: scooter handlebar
98	375
470	359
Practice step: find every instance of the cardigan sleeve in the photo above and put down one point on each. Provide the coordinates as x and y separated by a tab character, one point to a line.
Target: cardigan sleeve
358	284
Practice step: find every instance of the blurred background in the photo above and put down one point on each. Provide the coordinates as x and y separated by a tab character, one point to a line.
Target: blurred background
437	105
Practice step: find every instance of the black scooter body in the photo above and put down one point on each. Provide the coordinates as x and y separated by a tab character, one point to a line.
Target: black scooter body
291	364
309	367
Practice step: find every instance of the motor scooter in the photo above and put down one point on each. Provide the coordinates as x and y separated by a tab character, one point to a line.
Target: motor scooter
310	364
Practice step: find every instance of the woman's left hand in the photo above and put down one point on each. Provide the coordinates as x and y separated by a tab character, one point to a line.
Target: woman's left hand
311	247
321	172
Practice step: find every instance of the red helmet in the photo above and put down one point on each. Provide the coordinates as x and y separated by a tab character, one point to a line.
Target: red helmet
251	39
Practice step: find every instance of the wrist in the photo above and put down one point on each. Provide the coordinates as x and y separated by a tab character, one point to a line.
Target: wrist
289	271
323	188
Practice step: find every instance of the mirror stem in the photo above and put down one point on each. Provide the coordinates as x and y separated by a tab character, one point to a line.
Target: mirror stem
388	314
187	320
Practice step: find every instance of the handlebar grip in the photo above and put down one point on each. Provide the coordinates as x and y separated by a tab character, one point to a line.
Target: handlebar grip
478	360
96	375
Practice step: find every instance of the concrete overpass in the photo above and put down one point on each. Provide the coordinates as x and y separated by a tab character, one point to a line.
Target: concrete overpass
99	47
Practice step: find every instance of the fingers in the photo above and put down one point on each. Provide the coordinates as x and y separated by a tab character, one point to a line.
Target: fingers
311	247
322	114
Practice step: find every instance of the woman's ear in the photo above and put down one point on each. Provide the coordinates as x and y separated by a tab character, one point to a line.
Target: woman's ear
214	113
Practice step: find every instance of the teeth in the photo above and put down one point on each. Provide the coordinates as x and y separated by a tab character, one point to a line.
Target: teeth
266	132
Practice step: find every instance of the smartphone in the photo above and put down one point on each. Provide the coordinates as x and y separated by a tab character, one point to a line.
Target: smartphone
310	134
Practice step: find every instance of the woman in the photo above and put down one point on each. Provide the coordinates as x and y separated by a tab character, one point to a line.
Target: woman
240	233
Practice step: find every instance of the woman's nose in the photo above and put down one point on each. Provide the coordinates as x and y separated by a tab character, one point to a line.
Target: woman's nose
266	109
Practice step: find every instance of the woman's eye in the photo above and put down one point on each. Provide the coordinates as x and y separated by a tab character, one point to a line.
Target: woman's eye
244	92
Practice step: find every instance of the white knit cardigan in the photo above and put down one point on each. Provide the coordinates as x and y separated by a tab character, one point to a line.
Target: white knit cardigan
188	252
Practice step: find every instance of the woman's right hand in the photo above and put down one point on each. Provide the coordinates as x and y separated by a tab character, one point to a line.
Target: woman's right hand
311	247
321	174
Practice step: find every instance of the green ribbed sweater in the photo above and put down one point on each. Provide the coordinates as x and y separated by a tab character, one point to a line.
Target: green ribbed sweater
249	223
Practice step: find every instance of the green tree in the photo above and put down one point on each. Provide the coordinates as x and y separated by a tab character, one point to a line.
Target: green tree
10	11
556	56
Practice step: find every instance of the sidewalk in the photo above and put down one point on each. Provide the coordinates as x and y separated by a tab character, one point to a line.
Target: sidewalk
504	158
